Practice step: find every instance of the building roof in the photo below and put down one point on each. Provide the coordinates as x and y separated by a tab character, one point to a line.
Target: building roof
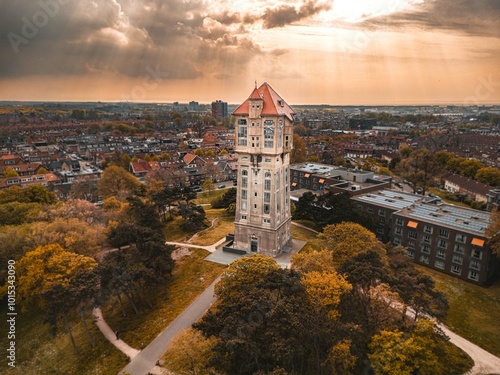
273	104
424	209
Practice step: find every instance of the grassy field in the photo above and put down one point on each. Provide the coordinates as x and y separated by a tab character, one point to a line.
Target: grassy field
37	353
303	234
191	276
223	223
474	311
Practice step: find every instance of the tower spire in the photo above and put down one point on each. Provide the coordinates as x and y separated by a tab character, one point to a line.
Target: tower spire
255	83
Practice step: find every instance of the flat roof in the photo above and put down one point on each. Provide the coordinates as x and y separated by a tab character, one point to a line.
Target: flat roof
425	209
447	215
393	199
318	168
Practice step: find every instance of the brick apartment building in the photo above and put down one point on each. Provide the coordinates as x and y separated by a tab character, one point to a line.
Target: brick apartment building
441	236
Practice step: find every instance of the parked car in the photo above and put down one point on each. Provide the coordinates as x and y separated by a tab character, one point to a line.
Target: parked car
221	186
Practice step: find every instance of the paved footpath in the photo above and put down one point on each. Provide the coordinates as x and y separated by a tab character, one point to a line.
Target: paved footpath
143	362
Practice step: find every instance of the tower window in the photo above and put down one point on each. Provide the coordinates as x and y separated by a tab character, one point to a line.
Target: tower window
242	132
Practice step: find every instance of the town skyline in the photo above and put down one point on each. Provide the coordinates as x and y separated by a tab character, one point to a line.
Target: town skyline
378	52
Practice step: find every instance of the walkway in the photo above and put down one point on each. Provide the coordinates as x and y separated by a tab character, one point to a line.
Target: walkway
484	362
111	336
143	362
210	248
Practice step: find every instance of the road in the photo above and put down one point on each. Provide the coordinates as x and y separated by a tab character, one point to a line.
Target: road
143	362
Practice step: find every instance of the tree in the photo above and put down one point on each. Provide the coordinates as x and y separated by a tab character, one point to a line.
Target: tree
194	216
493	232
470	167
72	234
419	168
10	172
346	240
42	170
265	328
443	157
340	359
15	213
394	354
47	276
228	198
489	176
319	261
208	186
39	194
326	288
191	353
116	181
243	273
299	151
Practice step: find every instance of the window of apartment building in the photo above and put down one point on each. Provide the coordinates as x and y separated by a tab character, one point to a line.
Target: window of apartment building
473	275
439	264
242	132
426	249
267	197
266	221
443	244
381	221
475	265
278	202
397	240
243	217
428	229
411	244
412	234
444	233
380	230
398	230
441	254
457	259
369	209
460	249
456	269
460	238
267	209
399	221
476	254
381	212
426	239
424	259
410	254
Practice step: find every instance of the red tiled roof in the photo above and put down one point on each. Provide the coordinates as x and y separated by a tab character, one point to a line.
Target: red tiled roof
274	105
188	158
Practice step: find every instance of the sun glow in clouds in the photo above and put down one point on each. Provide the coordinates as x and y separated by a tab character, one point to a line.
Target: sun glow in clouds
359	10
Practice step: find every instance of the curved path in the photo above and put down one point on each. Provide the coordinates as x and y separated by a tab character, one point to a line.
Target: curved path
143	362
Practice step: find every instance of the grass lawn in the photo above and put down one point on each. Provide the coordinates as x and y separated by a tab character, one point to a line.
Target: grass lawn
223	223
303	234
37	353
191	276
474	310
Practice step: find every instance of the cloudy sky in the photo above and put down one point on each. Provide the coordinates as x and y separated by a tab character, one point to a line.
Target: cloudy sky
311	52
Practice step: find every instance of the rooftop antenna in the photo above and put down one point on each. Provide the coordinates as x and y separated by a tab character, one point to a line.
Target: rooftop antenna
255	83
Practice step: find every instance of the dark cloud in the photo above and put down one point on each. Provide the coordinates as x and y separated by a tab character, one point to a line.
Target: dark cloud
118	36
470	17
287	14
